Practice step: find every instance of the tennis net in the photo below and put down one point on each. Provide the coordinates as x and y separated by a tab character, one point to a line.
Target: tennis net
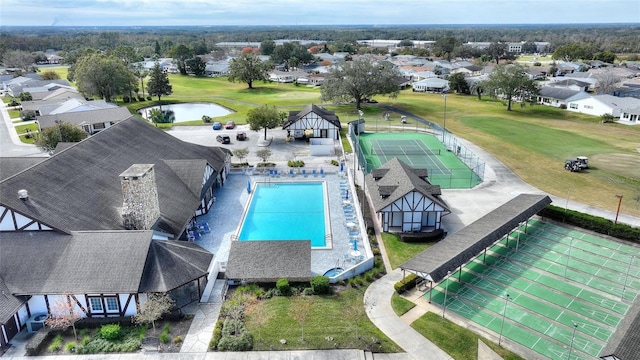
400	151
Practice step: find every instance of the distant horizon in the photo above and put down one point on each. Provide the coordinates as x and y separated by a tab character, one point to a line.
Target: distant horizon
203	13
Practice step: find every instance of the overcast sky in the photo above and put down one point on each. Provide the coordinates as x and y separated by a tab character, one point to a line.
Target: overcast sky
314	12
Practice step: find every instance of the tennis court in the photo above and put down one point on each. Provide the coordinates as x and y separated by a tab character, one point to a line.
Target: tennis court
554	277
420	151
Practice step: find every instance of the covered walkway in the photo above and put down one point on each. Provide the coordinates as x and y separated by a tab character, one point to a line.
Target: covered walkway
441	259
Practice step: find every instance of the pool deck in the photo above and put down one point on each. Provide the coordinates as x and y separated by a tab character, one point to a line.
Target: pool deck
231	200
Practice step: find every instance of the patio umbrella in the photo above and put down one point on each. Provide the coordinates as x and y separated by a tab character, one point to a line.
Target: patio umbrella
341	167
248	186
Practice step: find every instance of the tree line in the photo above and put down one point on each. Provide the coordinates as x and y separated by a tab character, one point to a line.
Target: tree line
148	41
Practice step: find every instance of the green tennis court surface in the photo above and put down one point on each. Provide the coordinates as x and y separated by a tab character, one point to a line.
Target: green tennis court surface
421	151
554	277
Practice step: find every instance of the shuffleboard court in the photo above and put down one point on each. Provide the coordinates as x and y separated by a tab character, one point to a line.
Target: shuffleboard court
554	277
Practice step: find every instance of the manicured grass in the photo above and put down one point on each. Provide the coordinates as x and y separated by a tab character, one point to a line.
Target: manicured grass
455	340
13	113
399	251
6	99
23	130
62	71
326	320
401	305
535	140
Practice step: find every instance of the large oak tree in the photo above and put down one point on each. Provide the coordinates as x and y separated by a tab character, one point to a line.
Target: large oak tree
360	80
103	76
511	82
248	68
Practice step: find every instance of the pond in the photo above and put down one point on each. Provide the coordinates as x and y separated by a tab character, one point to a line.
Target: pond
190	111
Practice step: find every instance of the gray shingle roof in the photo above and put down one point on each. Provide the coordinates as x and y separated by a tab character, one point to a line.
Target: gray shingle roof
9	304
10	166
457	249
394	179
47	262
172	263
330	116
268	261
79	188
557	92
109	115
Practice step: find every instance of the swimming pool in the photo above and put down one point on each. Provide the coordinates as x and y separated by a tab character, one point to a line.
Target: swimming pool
288	211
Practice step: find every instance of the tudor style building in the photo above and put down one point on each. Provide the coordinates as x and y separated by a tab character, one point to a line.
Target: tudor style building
313	122
403	198
97	224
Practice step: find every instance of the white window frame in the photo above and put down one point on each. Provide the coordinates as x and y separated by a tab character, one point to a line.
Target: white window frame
111	301
93	301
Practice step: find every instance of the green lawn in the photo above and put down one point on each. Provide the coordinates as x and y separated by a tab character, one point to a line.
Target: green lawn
455	340
401	305
13	113
327	319
399	251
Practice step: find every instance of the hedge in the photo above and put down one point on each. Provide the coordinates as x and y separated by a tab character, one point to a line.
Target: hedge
591	222
409	282
420	237
38	341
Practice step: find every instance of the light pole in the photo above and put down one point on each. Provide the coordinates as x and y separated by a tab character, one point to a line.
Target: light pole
575	326
567	204
504	312
444	115
618	211
446	290
624	287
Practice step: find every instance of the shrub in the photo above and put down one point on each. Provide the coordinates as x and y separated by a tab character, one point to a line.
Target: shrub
409	282
593	223
320	284
422	237
83	332
206	119
271	293
243	342
283	287
295	163
308	292
14	102
71	346
164	337
27	115
140	98
125	99
110	331
177	339
85	340
335	163
56	344
38	341
217	335
368	276
149	98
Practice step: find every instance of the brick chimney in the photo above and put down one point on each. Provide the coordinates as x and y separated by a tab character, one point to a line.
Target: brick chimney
140	208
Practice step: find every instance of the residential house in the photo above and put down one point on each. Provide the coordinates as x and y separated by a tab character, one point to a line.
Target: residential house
313	122
216	69
570	83
97	224
469	70
599	105
403	198
431	85
91	120
52	100
286	76
559	96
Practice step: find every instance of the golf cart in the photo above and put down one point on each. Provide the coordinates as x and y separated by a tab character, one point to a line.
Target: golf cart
578	164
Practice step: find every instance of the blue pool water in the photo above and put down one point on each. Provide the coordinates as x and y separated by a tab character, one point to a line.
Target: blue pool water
286	211
333	272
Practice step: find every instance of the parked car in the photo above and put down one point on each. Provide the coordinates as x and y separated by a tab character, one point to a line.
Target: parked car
223	139
216	126
241	136
230	125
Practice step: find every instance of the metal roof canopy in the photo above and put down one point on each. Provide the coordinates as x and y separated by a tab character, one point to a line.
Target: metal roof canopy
458	249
